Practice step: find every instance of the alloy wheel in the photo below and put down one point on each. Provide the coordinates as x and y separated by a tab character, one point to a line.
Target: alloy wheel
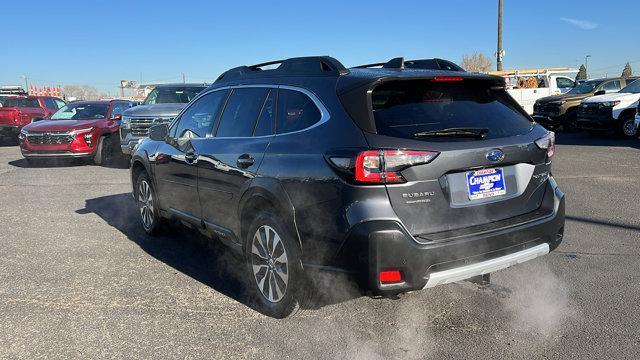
269	264
145	200
629	127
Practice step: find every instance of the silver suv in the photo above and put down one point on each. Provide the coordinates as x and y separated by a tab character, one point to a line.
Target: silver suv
161	105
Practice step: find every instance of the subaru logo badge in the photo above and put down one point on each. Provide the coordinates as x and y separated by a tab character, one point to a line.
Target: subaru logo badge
495	155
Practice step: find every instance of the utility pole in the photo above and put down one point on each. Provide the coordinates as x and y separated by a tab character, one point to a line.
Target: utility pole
184	79
500	52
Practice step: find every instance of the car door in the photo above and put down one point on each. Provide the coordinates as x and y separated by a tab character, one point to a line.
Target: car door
230	160
176	169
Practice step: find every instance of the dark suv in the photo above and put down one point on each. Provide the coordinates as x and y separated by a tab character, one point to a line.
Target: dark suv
407	175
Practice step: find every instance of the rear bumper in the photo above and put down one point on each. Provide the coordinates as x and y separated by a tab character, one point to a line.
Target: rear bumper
386	245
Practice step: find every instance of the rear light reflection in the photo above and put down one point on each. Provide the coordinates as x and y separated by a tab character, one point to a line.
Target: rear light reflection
548	142
390	276
384	166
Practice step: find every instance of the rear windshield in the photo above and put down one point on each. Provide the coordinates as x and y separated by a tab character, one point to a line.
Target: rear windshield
21	103
172	95
406	108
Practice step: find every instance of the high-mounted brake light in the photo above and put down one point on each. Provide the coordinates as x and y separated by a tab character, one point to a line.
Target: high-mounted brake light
447	78
384	166
548	142
390	276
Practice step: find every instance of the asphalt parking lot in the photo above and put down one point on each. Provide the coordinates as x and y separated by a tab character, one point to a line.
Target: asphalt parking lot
80	279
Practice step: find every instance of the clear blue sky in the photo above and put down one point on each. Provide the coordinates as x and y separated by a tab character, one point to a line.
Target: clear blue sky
100	42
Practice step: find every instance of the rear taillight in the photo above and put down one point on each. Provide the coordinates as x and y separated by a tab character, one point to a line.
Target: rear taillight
16	116
548	142
384	166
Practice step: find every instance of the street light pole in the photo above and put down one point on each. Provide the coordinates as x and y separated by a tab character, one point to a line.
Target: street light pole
586	66
500	52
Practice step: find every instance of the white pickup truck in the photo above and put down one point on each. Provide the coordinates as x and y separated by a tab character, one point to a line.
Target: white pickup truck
527	86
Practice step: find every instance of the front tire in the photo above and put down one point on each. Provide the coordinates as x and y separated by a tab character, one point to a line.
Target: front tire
152	222
104	151
274	266
628	127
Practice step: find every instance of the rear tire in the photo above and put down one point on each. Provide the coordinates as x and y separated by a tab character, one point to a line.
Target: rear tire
148	209
274	267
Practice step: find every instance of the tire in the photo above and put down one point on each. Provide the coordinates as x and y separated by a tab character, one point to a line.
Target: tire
145	197
627	127
274	268
570	123
104	151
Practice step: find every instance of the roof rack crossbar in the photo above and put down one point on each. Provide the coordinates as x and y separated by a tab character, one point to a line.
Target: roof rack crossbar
311	65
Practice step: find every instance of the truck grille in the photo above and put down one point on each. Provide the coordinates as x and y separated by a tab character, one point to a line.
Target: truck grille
140	126
546	109
50	138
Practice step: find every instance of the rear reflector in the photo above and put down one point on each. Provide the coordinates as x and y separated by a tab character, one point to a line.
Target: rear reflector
384	166
390	276
447	78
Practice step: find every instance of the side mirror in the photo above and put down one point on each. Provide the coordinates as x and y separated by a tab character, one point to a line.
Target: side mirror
159	132
116	117
599	92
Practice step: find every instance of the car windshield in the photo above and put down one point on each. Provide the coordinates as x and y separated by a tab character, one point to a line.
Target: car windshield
173	94
82	111
586	87
633	88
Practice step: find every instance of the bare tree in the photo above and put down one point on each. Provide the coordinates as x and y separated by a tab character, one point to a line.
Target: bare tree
477	62
82	92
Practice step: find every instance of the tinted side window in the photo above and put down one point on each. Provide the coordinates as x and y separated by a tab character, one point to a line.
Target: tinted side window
612	86
199	118
265	121
50	104
296	111
564	83
119	108
240	114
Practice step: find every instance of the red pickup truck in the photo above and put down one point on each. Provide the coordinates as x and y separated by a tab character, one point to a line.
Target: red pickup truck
19	111
80	129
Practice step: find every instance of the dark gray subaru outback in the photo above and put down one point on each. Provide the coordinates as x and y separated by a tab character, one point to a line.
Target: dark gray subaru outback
405	174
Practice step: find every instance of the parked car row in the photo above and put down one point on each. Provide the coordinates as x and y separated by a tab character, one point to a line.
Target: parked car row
48	128
596	106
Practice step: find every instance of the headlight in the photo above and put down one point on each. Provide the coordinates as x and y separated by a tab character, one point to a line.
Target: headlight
610	103
557	102
23	134
80	131
126	122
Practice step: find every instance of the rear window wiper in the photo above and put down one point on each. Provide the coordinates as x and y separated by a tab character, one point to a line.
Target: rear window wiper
476	133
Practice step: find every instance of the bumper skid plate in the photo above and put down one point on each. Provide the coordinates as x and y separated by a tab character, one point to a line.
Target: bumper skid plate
485	267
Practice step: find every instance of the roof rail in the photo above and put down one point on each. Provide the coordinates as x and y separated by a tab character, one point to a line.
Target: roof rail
400	63
310	65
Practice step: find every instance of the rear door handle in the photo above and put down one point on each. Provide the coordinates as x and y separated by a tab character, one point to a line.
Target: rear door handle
190	157
245	160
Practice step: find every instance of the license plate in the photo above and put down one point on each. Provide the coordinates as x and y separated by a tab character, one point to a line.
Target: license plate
485	183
